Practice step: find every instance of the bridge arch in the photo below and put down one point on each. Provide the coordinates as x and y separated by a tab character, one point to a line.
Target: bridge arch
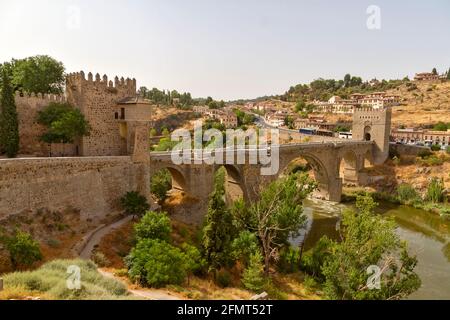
322	175
179	181
234	184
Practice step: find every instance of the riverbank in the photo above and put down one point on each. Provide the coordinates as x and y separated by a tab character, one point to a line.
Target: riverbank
349	195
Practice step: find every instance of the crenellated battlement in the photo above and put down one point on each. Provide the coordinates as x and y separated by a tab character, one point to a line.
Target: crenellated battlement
370	109
80	79
37	97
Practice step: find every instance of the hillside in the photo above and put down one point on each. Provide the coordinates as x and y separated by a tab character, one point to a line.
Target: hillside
422	103
428	103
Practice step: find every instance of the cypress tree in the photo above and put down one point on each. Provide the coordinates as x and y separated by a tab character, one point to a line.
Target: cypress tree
218	230
9	124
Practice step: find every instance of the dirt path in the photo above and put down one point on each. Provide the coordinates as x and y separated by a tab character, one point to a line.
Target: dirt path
94	239
97	235
150	294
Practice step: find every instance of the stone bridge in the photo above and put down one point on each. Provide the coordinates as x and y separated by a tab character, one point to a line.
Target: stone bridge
324	158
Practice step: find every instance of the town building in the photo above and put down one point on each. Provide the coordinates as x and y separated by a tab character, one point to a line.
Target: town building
412	135
426	76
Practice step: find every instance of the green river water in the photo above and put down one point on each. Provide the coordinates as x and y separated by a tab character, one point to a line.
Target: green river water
427	234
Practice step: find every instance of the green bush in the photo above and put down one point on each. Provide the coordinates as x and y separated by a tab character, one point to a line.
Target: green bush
314	259
435	190
447	149
134	204
100	259
160	184
407	194
156	263
244	246
289	260
52	278
424	153
253	277
153	225
435	147
23	249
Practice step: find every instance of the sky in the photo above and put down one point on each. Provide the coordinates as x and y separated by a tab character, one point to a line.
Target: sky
231	49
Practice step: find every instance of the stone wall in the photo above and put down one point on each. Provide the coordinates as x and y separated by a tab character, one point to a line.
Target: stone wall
28	107
407	150
91	184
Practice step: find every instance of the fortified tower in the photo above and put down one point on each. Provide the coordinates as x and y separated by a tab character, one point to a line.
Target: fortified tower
370	124
97	99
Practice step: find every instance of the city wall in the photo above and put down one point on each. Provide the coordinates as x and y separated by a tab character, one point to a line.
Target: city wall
92	185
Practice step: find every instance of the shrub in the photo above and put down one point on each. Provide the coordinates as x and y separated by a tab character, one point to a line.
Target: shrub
153	225
289	260
134	203
253	277
447	150
244	246
435	147
100	259
314	259
23	249
435	190
161	183
424	153
406	193
223	278
156	263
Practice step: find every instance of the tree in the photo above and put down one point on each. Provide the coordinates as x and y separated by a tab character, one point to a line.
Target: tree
156	263
300	106
244	245
64	123
194	262
23	249
153	225
9	124
134	203
218	229
39	74
441	126
160	184
434	71
253	277
347	79
368	242
448	74
277	215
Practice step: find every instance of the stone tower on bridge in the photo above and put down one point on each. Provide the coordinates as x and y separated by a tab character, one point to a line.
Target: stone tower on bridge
370	124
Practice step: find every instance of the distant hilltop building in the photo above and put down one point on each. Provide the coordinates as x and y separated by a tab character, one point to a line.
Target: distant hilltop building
426	76
226	117
376	100
112	109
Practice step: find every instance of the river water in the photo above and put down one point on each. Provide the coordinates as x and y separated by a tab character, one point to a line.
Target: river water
427	234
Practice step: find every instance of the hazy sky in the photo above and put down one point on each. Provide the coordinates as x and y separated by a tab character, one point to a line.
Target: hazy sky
230	49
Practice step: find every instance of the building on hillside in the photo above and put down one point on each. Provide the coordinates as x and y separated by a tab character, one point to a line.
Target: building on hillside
228	119
338	105
426	76
412	135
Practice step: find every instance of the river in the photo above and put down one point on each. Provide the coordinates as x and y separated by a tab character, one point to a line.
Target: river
427	234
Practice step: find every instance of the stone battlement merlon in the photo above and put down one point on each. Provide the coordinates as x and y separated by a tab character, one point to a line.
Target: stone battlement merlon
370	109
79	78
41	96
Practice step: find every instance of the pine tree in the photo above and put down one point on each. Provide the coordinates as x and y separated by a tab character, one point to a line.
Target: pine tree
218	230
448	74
9	125
253	277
